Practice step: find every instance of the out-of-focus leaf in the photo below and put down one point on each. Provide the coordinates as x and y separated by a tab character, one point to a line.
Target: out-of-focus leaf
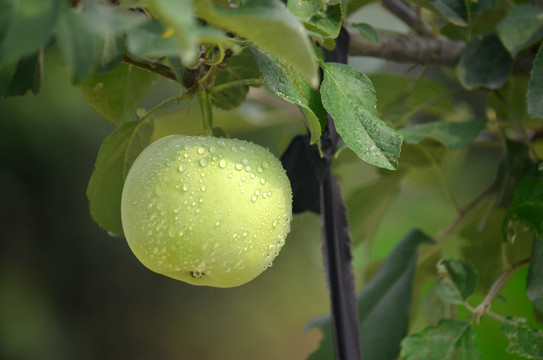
449	340
434	309
484	63
240	67
527	206
111	53
78	42
178	15
457	281
115	157
383	304
521	28
147	41
117	94
7	70
368	204
349	97
28	76
523	340
535	86
534	282
28	26
267	24
453	135
368	32
287	83
481	6
455	11
323	21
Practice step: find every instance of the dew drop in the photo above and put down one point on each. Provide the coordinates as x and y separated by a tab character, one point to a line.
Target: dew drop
187	147
213	149
265	165
230	175
262	181
252	176
155	250
257	192
221	143
244	161
253	198
204	188
259	169
186	187
223	163
182	167
203	162
274	224
242	148
201	150
239	166
186	155
248	168
234	149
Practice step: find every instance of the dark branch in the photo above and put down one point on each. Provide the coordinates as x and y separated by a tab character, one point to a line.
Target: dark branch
154	67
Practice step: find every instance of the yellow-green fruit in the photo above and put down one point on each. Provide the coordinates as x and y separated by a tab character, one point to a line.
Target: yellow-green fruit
205	210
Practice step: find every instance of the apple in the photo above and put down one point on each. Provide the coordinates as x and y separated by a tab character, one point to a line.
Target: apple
205	210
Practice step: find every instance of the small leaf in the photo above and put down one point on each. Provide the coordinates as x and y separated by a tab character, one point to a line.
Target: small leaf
535	87
29	26
349	97
527	206
434	309
455	11
114	160
449	340
117	94
484	63
287	83
28	76
458	280
521	28
534	281
523	340
323	22
240	67
383	305
368	32
454	135
267	24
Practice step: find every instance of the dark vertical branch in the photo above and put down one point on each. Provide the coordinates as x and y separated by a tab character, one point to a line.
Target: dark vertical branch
315	189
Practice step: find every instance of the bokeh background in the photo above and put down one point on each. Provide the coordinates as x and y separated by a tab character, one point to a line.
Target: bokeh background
68	290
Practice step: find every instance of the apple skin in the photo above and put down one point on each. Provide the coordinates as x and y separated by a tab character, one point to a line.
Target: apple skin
205	210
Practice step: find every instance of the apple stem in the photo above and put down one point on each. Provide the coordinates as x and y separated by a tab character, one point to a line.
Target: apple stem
205	109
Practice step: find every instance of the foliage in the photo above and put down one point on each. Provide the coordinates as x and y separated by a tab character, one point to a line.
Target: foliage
407	127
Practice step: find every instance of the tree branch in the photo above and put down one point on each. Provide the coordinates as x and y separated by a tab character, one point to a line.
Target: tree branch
154	67
404	13
423	50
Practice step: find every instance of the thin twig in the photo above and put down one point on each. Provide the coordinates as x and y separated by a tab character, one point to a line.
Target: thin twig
154	67
411	19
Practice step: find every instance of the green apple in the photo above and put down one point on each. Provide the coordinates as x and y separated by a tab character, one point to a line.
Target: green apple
205	210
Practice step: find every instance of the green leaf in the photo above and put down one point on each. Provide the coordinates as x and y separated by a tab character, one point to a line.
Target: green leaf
117	94
178	15
368	32
368	204
523	340
146	41
240	67
521	28
349	97
434	309
383	305
534	281
29	26
535	87
484	63
28	76
267	24
454	11
78	43
449	340
287	83
7	70
454	135
115	158
527	206
325	21
457	281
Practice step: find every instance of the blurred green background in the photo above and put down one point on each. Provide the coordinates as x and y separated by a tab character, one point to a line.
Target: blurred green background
70	291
